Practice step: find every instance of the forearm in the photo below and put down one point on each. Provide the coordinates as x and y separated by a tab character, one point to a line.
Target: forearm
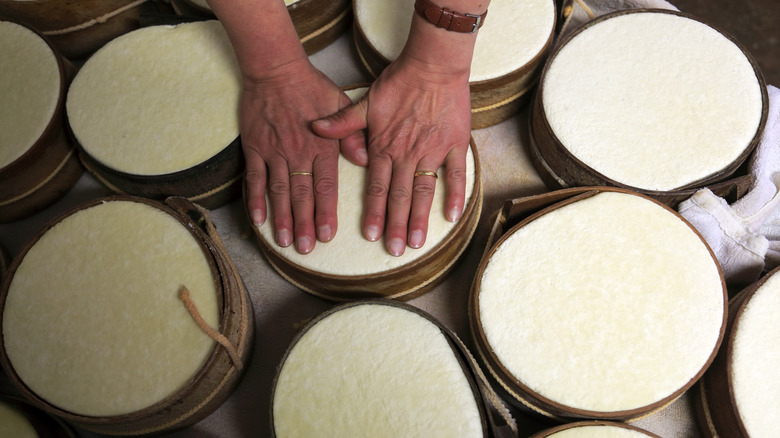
262	35
440	50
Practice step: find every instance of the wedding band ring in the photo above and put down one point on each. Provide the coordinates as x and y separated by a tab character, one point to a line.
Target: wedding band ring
298	172
426	173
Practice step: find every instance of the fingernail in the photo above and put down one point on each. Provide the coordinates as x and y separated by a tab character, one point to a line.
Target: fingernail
322	123
372	233
324	233
453	214
362	155
396	246
258	217
283	238
303	245
416	239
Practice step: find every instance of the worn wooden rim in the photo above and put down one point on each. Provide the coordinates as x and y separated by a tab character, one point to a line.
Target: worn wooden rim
44	424
521	393
549	432
491	99
209	387
48	169
717	401
448	334
574	172
404	282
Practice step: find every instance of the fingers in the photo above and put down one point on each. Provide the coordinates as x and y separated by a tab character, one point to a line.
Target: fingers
279	194
423	189
326	196
455	166
343	123
255	187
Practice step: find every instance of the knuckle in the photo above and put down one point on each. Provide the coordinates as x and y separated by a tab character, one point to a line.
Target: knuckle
399	195
425	189
376	189
255	177
278	188
301	193
325	186
456	174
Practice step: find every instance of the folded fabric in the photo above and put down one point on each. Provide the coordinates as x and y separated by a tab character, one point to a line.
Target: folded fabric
582	11
745	236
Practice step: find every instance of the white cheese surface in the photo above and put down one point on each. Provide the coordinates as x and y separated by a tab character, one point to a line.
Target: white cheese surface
611	303
13	424
374	371
514	32
652	100
598	431
349	253
755	355
93	323
30	86
159	99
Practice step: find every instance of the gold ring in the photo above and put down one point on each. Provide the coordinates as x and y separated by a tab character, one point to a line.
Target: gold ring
298	172
426	173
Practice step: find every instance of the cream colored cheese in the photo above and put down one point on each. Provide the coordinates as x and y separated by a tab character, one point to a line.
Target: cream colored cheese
513	34
652	100
599	431
374	371
30	85
349	253
159	99
93	323
611	303
755	376
13	424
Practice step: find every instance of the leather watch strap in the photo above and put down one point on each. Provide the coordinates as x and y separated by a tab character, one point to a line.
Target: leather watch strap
447	19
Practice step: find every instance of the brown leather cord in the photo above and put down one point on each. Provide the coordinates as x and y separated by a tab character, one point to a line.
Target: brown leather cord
184	296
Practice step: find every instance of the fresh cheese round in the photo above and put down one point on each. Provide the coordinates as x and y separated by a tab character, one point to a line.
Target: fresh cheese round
652	100
31	84
510	48
158	100
14	424
374	368
92	322
605	306
741	388
594	429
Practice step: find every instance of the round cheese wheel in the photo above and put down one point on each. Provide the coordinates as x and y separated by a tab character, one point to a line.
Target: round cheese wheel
14	424
652	100
374	368
158	100
511	37
92	321
605	306
31	84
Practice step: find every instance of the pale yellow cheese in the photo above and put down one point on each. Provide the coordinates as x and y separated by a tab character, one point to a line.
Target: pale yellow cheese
30	85
159	99
13	424
93	323
374	371
755	355
598	431
514	32
652	100
349	253
611	303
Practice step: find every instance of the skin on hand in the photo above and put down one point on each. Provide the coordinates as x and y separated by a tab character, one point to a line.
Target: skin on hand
275	117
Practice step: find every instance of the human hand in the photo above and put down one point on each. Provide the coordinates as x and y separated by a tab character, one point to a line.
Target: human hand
418	117
284	158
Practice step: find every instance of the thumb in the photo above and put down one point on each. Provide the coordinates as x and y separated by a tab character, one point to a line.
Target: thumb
342	124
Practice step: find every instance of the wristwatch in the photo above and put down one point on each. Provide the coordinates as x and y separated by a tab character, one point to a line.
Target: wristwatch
447	19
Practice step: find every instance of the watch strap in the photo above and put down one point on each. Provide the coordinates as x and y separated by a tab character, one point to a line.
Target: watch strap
447	19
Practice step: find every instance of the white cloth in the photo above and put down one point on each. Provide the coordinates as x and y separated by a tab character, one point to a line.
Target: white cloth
585	10
745	236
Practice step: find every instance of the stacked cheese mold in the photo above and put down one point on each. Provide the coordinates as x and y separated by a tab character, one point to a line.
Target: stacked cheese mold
651	100
510	50
317	22
350	267
376	368
155	113
76	28
99	322
604	305
38	163
595	429
739	394
19	419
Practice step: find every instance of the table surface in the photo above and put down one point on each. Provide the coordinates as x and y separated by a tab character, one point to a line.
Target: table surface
280	308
